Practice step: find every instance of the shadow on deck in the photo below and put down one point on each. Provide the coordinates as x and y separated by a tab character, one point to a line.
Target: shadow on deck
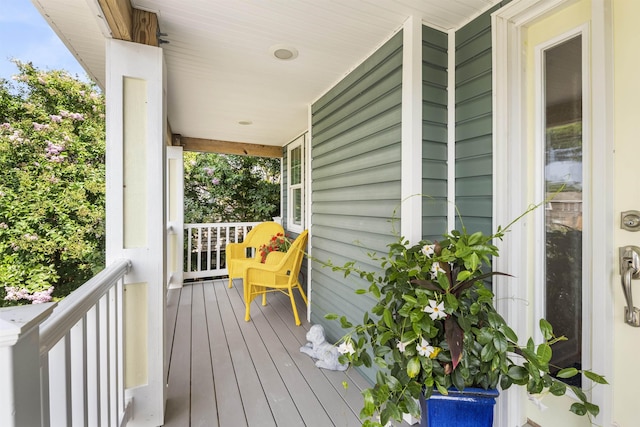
227	372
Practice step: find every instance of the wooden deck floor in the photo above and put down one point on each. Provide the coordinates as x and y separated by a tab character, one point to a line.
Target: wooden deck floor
229	373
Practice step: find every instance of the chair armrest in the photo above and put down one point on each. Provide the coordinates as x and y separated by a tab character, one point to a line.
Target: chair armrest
236	250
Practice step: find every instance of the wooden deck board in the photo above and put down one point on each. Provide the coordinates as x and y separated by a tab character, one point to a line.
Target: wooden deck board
227	372
226	386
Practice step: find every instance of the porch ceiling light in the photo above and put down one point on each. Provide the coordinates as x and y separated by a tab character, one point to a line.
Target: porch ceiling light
284	53
245	122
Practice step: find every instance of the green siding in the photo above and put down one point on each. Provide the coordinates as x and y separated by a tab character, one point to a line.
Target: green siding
473	110
356	172
434	132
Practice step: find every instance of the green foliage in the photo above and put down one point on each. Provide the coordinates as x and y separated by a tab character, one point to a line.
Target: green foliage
52	184
434	327
230	188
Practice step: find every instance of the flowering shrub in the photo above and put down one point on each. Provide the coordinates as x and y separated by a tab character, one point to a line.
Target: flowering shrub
52	185
278	243
434	326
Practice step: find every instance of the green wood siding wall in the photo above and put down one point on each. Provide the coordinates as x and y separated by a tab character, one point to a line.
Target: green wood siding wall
355	150
434	132
474	116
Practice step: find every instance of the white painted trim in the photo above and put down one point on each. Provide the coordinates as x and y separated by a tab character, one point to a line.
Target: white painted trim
309	199
175	226
451	132
300	142
509	190
603	272
411	188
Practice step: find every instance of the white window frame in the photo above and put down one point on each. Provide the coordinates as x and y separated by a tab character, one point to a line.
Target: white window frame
300	142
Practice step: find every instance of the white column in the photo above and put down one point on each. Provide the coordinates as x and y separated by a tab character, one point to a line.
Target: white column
411	209
20	392
175	216
136	213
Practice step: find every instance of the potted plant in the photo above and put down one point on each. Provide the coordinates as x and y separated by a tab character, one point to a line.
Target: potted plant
434	330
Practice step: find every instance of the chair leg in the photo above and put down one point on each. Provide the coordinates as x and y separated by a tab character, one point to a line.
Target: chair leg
230	282
264	296
302	294
247	302
293	306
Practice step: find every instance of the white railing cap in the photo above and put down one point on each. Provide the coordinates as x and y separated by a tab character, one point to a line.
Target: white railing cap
18	321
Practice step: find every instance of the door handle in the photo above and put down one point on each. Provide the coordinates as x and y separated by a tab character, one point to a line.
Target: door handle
629	270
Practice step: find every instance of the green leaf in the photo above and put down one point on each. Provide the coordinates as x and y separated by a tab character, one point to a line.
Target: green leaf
595	377
331	316
413	367
544	353
360	291
546	329
593	409
345	323
578	409
369	404
508	332
567	373
388	318
500	342
558	388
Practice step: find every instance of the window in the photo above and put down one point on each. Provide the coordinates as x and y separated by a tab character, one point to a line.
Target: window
295	185
563	177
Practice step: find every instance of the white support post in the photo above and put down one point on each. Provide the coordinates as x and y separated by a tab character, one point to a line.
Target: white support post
20	391
175	216
411	208
136	217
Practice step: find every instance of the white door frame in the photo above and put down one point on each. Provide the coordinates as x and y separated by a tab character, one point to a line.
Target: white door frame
510	188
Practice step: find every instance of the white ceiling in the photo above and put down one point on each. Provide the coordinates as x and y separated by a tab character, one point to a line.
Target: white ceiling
221	71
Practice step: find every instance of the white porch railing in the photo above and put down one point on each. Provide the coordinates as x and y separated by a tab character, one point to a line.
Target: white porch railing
70	370
205	247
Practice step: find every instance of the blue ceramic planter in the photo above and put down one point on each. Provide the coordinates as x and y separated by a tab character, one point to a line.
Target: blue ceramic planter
472	407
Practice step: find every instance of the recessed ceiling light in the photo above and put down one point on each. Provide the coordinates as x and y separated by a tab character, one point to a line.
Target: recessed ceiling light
245	122
282	52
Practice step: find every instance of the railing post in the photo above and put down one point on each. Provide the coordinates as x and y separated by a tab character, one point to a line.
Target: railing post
20	390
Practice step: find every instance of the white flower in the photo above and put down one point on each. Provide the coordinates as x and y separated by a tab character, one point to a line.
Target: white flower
424	349
346	347
428	250
435	269
435	310
402	346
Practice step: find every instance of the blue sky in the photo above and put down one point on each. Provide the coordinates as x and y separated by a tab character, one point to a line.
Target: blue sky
25	35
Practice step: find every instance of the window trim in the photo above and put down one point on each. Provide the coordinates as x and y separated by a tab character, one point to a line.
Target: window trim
291	225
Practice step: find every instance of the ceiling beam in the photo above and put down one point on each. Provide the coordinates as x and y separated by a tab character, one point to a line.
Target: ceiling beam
226	147
119	17
130	24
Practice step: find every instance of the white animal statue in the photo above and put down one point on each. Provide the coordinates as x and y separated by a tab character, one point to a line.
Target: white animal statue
325	353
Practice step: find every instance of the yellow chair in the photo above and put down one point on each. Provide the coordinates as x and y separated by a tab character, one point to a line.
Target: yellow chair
278	273
236	253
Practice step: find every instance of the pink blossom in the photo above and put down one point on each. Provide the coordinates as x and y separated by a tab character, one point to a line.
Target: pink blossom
5	126
76	116
55	118
3	225
41	80
215	181
38	126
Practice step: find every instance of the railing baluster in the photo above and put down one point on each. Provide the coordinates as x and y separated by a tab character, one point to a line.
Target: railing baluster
60	383
93	378
78	356
218	237
209	248
113	358
103	362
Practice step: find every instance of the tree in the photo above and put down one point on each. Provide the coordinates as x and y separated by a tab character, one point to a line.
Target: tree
230	188
52	184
